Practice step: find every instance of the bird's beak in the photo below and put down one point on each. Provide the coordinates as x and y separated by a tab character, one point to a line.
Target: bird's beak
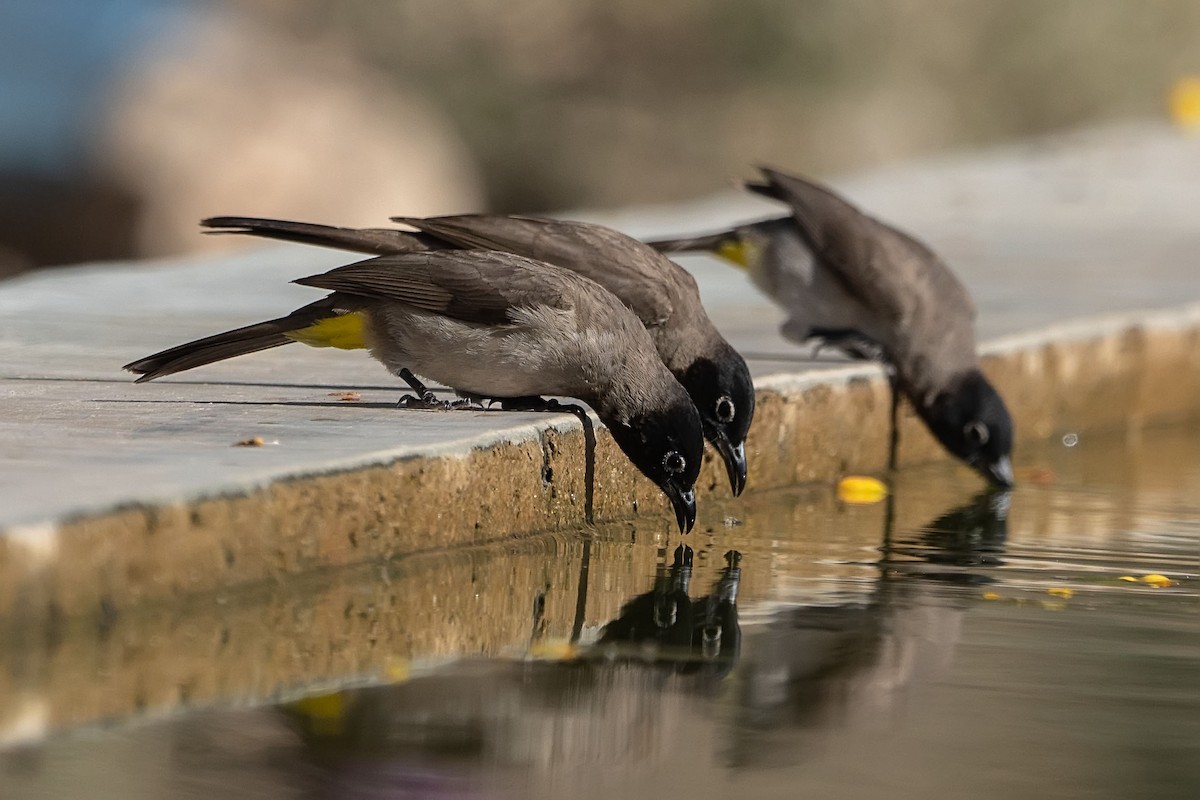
999	472
684	503
735	461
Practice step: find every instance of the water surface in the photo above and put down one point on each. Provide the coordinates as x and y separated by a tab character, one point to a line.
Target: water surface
946	643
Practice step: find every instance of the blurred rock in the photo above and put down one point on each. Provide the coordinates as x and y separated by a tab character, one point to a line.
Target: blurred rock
231	117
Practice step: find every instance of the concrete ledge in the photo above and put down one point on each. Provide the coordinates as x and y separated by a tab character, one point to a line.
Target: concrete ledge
1113	371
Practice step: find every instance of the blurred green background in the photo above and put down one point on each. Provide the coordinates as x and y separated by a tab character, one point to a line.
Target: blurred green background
128	120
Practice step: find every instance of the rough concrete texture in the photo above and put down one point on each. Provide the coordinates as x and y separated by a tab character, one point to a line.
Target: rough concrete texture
117	495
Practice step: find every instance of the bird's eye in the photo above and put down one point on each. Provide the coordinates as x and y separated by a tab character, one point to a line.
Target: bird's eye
977	433
674	463
725	409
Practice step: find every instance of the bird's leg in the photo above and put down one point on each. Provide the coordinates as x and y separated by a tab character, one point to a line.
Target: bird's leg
535	403
856	345
894	433
850	342
424	397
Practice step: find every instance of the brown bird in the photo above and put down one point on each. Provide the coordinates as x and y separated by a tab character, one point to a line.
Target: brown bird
492	326
874	292
662	294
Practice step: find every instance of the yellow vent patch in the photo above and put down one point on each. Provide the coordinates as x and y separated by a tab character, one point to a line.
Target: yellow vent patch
735	250
345	332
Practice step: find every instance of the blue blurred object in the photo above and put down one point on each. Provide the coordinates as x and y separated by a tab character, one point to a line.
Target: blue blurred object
57	59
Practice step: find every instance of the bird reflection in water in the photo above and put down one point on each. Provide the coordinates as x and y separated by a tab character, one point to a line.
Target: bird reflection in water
667	628
820	667
971	535
804	672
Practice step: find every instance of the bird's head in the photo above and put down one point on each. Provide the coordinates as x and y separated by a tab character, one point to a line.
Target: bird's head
972	422
667	445
723	393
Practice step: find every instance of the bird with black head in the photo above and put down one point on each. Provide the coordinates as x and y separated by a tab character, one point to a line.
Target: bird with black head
663	295
873	291
493	326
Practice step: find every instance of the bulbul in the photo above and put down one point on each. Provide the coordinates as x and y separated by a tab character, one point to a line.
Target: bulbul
662	294
492	326
874	292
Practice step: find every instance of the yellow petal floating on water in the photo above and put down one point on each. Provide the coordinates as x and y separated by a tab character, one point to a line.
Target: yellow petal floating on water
1184	103
553	650
1062	591
398	669
325	713
861	490
1153	579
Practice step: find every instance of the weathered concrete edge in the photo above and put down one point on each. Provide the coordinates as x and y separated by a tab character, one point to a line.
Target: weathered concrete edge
1125	369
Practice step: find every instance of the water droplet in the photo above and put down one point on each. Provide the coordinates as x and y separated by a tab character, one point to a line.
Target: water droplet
1070	440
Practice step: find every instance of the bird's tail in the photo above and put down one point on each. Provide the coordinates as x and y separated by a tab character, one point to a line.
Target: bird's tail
709	243
238	342
372	241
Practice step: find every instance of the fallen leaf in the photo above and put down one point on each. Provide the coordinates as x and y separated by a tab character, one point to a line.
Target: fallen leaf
253	441
991	596
349	397
1062	591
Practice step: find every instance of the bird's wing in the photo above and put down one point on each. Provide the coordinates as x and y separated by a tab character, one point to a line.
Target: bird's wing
888	270
647	282
476	286
380	241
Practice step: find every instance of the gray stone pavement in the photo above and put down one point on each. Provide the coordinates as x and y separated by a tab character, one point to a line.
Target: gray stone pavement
1043	231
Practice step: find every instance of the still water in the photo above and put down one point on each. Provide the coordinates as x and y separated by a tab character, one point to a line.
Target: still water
943	643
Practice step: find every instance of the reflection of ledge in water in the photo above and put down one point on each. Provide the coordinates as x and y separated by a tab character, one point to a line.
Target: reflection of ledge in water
654	685
616	701
627	698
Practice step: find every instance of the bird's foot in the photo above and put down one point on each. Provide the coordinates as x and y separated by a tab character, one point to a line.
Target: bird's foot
429	402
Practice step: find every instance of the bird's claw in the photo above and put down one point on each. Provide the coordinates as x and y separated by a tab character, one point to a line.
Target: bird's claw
429	401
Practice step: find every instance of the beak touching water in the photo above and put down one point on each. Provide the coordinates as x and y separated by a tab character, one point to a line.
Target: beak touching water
999	472
735	462
684	503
